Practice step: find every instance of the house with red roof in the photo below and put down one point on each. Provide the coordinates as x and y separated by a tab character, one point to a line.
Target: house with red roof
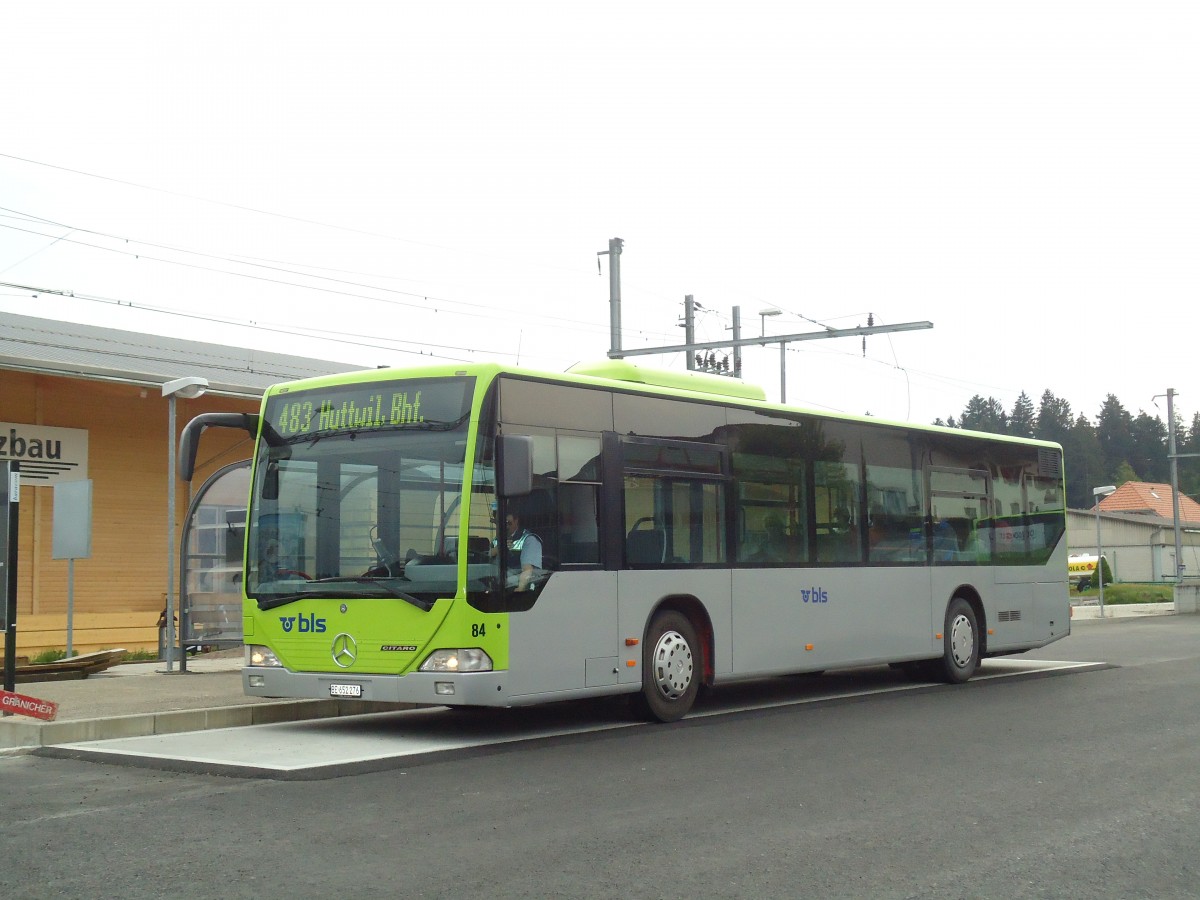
1152	500
1137	532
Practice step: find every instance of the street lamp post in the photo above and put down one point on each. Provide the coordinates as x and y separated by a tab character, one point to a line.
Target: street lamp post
189	388
1098	493
763	313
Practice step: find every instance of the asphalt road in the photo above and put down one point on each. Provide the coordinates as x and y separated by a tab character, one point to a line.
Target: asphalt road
1077	785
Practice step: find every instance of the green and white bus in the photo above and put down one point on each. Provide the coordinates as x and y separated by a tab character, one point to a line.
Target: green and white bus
691	535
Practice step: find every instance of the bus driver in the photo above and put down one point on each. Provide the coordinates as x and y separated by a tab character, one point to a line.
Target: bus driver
523	558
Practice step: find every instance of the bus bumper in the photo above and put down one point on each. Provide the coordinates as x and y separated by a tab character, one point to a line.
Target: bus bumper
426	688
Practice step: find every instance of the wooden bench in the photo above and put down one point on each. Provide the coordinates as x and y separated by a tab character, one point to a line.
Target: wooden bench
73	669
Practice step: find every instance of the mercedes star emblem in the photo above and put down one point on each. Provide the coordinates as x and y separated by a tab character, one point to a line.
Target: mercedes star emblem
345	650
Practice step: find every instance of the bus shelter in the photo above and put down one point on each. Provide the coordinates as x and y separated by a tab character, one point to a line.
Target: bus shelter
210	571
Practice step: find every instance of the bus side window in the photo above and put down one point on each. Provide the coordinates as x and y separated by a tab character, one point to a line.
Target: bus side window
538	517
838	540
945	542
579	518
838	532
645	546
578	498
674	521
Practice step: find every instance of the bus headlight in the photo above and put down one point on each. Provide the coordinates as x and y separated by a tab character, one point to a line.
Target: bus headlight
462	660
258	655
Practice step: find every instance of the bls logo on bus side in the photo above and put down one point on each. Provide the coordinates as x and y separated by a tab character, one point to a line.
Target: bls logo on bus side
304	624
815	595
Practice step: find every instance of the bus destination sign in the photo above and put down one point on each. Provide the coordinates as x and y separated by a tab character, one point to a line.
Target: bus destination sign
378	406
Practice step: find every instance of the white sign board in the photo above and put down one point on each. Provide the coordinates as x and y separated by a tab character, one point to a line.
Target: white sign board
47	455
72	533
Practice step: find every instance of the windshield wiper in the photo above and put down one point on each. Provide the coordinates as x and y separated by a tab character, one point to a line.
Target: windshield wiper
381	590
265	603
426	425
386	589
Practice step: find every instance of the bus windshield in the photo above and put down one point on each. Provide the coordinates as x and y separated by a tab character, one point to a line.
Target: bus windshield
356	489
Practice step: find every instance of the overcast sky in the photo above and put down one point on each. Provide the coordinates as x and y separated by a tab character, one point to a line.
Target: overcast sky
399	178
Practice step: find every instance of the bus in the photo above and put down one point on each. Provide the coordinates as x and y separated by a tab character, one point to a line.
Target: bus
689	534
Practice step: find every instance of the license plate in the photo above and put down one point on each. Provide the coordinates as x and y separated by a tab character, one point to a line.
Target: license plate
345	690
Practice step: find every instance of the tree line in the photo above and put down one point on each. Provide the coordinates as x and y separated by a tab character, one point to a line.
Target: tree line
1116	448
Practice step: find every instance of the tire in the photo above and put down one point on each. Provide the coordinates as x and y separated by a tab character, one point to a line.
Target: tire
960	659
672	668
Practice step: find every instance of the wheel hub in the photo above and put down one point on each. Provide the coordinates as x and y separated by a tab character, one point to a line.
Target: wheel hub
673	665
962	641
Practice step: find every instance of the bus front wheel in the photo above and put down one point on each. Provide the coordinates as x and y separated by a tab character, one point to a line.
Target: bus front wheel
671	667
960	658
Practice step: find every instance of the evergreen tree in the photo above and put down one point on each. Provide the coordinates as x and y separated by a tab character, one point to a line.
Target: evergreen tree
984	415
1149	454
1083	462
1125	473
1114	433
1021	420
1117	449
1053	419
1189	468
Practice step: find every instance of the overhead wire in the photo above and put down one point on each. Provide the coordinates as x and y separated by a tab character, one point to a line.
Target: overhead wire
473	309
573	323
293	267
280	266
338	281
242	208
237	206
343	337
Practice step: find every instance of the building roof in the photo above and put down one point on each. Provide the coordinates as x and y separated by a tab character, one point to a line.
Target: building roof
71	350
1148	499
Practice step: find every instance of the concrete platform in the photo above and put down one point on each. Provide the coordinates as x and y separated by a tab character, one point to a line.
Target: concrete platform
139	699
365	743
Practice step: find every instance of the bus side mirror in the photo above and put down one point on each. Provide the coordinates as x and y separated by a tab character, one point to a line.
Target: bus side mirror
514	465
190	439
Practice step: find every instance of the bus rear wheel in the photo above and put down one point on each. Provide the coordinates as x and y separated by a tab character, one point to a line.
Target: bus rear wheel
671	668
960	659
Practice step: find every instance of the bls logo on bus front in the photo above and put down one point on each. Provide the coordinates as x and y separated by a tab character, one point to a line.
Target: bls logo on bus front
815	595
304	624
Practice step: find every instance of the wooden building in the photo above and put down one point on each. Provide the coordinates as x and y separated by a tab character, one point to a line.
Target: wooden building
81	402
